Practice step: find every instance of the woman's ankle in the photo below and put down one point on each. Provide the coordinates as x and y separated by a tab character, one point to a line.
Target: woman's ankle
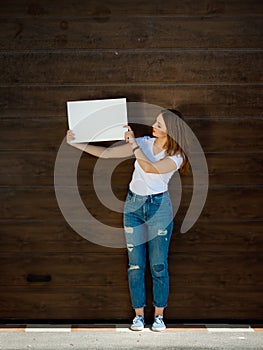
158	311
139	312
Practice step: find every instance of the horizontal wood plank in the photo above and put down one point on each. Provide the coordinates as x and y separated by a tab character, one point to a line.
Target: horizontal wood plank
222	268
75	303
27	237
230	132
101	10
180	67
231	204
203	303
132	32
78	270
197	100
65	303
37	169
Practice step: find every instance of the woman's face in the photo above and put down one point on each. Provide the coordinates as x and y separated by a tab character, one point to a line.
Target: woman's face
159	127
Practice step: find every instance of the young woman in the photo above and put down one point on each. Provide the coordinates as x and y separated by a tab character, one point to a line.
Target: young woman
148	214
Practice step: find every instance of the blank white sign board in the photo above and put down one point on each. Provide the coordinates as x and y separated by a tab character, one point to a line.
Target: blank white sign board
97	120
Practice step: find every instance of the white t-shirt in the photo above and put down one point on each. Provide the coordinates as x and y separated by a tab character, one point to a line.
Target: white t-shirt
143	183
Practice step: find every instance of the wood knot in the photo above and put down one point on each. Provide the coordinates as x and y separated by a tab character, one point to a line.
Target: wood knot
64	25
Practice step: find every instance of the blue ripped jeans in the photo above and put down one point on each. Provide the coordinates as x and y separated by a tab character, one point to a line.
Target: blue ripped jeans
148	223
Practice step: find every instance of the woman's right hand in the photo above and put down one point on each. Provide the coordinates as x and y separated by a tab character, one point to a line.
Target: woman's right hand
70	136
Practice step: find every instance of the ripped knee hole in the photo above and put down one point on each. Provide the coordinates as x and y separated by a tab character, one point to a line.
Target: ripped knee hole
134	267
128	229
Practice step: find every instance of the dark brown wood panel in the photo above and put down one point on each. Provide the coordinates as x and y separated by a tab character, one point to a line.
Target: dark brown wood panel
136	32
44	302
101	10
225	238
219	301
215	135
189	300
36	168
76	270
170	66
195	100
194	302
27	237
184	303
81	270
229	204
204	58
234	271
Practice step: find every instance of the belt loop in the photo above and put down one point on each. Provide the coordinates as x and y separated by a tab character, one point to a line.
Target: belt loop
151	196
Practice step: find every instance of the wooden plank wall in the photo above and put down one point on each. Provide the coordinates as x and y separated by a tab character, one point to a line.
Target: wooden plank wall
204	57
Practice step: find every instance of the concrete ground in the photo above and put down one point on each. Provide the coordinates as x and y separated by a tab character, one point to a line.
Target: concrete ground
37	337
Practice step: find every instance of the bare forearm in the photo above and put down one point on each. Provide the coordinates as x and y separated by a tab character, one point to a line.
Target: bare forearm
162	166
96	151
121	151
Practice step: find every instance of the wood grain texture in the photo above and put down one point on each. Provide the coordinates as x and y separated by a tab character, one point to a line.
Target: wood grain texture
194	100
102	10
81	270
44	302
215	135
188	300
20	237
75	303
36	168
188	279
204	58
227	204
185	303
134	66
131	33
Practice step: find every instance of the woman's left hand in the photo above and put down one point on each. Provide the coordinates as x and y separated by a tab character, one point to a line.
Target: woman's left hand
129	136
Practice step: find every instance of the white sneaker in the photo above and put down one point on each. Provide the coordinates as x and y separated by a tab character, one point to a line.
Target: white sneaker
137	323
158	324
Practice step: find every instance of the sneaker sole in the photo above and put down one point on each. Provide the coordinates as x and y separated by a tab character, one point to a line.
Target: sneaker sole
158	329
137	329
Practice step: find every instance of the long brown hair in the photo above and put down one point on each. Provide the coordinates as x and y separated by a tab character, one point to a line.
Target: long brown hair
176	137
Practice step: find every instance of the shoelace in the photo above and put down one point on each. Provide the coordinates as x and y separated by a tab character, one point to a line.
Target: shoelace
159	319
138	318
